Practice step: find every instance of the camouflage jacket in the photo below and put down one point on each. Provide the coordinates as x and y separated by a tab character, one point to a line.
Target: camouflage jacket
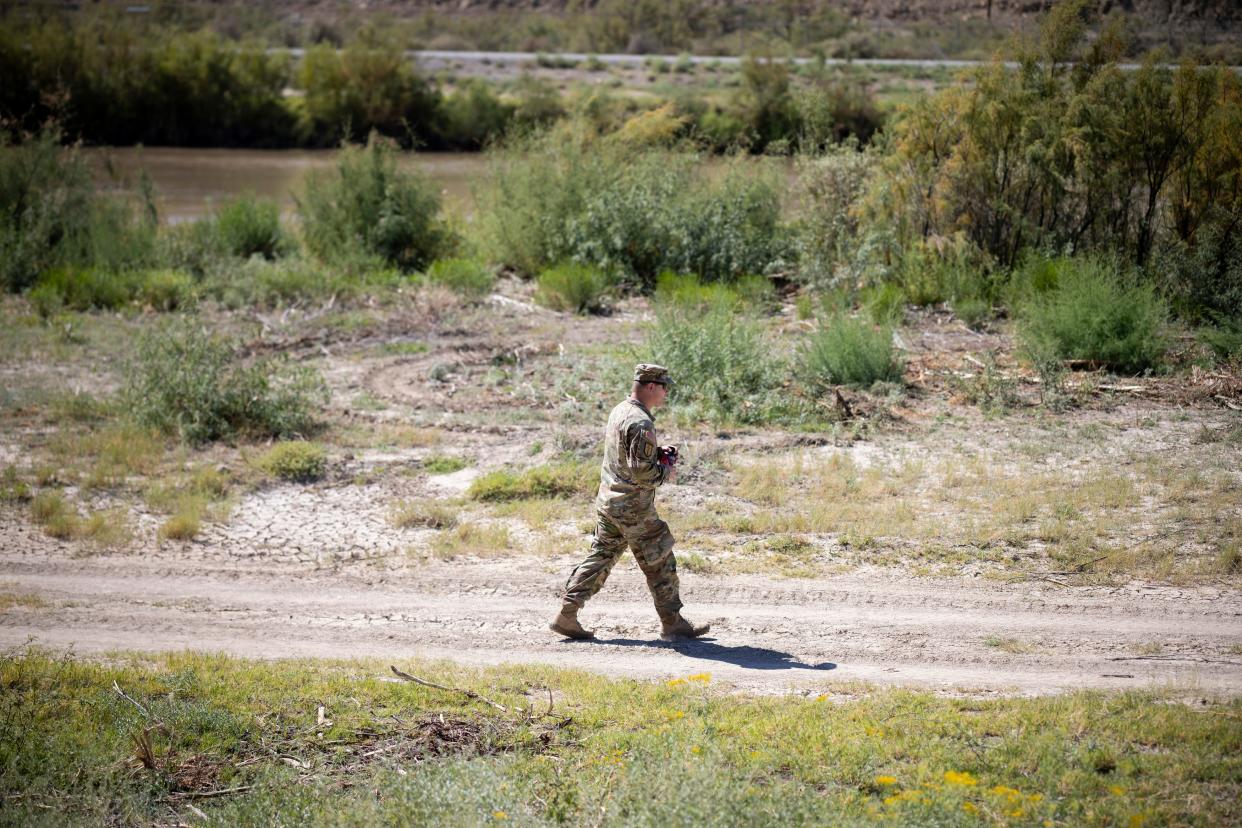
631	470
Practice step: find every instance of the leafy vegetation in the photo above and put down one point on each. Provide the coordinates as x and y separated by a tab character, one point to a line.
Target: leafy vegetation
1094	312
574	288
200	723
567	195
465	276
563	479
369	208
848	351
294	460
198	387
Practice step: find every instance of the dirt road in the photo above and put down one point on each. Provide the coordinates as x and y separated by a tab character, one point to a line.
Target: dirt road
768	635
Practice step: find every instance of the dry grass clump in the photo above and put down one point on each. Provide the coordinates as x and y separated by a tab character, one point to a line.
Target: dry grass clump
11	597
474	539
107	529
429	514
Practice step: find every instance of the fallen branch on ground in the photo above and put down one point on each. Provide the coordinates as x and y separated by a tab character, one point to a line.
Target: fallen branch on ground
470	694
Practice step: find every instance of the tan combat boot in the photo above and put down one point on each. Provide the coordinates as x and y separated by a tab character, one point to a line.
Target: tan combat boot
566	623
676	627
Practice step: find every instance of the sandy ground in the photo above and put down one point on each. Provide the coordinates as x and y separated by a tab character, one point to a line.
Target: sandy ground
319	571
768	635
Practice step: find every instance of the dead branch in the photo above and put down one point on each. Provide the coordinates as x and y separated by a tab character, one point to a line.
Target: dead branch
121	693
470	694
207	794
1077	570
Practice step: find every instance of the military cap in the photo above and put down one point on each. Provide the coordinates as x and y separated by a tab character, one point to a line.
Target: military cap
646	372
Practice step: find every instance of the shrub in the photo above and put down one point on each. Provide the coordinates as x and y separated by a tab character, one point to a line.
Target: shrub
634	211
185	382
431	514
464	276
1095	313
248	226
296	461
260	283
567	479
829	188
369	207
81	288
50	215
369	86
848	351
472	117
1205	280
1223	340
723	368
574	288
166	290
885	303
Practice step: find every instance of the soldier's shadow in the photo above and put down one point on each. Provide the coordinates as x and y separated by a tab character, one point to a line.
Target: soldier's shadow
754	658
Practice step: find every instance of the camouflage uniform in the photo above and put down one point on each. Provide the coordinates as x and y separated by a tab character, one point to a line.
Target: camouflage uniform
625	512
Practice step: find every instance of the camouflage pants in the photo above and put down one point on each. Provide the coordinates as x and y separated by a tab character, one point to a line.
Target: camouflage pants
652	543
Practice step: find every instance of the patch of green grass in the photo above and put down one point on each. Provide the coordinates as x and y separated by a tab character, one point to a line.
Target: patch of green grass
849	351
463	276
566	479
186	520
843	756
404	348
12	488
444	464
296	461
574	288
59	519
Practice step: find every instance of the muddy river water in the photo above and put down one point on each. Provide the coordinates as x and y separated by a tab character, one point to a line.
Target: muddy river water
192	182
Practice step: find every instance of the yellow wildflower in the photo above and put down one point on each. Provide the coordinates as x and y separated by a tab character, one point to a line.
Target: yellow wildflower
821	697
499	815
1035	797
970	808
703	677
1116	790
696	750
960	778
1138	820
1007	792
886	780
1015	813
675	682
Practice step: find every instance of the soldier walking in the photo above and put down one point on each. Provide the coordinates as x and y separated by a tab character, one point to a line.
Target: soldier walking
634	466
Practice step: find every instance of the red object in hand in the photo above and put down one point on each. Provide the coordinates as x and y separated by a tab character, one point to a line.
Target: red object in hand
667	455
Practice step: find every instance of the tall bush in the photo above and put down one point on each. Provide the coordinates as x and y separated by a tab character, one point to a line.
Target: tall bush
369	207
848	351
566	194
1091	309
196	386
1066	156
369	86
51	216
724	370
